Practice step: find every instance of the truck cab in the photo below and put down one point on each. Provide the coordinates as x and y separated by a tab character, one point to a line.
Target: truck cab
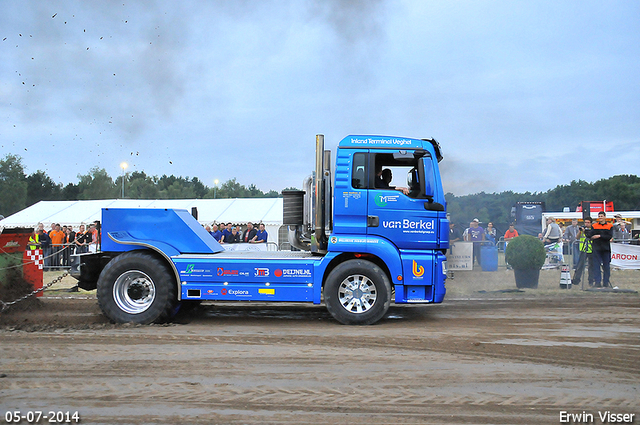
368	231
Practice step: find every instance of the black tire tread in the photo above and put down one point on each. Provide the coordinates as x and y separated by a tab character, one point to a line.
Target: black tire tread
373	272
166	290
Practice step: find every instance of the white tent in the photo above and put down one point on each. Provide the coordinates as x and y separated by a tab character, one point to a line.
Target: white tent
75	213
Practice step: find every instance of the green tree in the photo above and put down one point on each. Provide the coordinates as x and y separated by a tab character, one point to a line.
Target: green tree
13	185
172	187
140	186
40	187
96	185
71	192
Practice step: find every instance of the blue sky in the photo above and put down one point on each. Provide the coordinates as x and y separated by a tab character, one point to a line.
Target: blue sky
521	95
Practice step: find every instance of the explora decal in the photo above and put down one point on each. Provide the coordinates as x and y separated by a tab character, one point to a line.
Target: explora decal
261	272
411	226
383	200
239	292
418	270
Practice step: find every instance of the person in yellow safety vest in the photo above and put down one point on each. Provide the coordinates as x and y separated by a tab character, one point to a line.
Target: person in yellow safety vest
585	255
34	241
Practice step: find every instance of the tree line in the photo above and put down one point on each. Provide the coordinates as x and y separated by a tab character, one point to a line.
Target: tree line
18	191
623	190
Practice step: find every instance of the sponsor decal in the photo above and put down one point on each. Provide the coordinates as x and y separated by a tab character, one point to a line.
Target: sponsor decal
347	195
411	226
238	292
383	200
353	240
418	270
210	291
223	272
267	291
191	269
12	244
382	141
624	257
261	272
354	195
306	273
224	291
334	239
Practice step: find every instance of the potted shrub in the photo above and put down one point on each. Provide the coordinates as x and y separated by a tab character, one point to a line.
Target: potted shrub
526	255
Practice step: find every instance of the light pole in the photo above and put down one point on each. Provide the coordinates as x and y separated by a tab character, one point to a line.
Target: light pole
124	165
215	187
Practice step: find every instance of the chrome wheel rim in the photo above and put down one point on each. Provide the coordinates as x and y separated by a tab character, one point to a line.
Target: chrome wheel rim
134	292
357	294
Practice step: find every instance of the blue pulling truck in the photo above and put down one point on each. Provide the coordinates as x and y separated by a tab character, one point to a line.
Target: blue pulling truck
360	243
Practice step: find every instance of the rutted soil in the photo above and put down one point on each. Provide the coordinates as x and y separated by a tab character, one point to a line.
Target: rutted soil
508	358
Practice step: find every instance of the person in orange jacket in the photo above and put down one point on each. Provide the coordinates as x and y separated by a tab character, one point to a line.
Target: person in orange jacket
600	235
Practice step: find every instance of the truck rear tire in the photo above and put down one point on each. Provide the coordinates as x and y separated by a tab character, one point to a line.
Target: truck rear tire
137	287
357	292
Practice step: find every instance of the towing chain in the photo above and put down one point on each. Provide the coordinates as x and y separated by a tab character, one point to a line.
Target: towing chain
4	305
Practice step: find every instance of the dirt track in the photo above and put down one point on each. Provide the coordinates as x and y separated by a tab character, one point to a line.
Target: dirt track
504	358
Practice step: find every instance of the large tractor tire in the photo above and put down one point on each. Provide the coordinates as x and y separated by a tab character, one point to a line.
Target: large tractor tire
137	287
357	292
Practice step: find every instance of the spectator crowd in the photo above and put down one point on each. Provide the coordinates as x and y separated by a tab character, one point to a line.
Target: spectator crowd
232	233
62	241
589	243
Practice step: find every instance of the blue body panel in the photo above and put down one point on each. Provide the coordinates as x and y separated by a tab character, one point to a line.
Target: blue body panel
261	276
407	238
169	231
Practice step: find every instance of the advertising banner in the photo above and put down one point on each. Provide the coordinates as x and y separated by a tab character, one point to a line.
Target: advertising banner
625	256
460	256
245	247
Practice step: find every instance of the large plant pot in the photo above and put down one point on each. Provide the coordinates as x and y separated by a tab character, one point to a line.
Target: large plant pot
527	278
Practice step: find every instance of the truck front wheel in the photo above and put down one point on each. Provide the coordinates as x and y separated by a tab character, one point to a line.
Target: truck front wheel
136	287
357	292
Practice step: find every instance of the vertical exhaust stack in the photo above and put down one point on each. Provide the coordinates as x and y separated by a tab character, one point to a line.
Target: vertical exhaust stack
319	242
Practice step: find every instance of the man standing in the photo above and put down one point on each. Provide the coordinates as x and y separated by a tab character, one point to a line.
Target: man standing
216	233
616	225
454	234
233	237
475	234
91	238
226	231
585	258
571	235
601	235
511	233
81	247
57	238
249	234
553	232
261	235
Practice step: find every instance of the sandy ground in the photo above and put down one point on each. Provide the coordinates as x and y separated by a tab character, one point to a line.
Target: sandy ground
487	355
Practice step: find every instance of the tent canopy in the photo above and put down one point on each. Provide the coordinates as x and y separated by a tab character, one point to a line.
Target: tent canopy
75	213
